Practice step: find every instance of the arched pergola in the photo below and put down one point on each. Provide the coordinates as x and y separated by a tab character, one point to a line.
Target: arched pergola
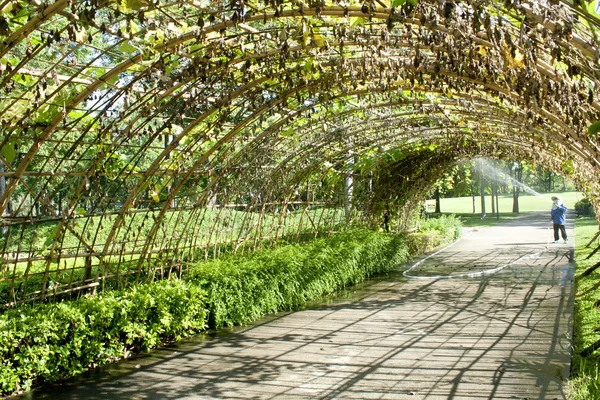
140	135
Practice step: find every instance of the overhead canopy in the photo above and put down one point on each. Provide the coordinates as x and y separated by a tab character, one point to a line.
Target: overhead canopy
135	133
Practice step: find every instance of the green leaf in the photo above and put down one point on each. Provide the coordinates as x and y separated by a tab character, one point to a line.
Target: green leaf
127	48
7	8
594	128
135	28
50	237
397	3
594	8
9	152
308	64
136	4
567	166
287	133
357	21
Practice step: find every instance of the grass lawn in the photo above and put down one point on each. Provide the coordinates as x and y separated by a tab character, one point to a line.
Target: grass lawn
585	376
463	206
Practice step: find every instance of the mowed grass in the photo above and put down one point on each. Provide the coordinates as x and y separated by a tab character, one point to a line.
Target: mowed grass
463	206
585	374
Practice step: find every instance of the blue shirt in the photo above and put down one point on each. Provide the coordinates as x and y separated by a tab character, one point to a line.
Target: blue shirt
558	214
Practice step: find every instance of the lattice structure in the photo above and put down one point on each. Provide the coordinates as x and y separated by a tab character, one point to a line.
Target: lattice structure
139	136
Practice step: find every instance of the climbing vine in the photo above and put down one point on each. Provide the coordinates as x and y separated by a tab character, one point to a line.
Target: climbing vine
139	136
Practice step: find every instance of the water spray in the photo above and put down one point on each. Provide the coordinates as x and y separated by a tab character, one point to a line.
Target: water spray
499	176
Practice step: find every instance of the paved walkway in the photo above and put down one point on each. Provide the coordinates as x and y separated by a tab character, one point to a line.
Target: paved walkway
504	336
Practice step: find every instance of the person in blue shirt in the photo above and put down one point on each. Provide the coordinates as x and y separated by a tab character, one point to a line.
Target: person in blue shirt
558	213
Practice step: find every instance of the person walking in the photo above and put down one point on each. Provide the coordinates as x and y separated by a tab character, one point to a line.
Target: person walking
558	214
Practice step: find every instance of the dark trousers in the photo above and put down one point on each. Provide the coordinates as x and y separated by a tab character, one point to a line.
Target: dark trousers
563	231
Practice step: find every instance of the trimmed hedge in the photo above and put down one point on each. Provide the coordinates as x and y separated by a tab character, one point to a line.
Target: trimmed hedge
50	342
244	289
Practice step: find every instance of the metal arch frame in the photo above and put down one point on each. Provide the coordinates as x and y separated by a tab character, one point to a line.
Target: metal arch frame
164	101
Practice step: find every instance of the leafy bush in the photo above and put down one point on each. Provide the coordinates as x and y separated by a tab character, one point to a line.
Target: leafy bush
49	342
52	341
434	232
584	208
243	289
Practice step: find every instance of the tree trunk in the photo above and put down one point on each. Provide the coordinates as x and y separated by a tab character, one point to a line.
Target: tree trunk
482	192
515	207
438	208
516	189
493	197
497	206
473	196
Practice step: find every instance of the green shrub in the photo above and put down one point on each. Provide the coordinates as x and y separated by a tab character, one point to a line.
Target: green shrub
53	341
584	208
434	232
241	289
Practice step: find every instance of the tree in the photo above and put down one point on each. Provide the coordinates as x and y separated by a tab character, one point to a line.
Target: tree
516	172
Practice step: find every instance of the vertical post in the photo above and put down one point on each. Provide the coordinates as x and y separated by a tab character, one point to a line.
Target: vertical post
349	180
438	208
2	190
168	138
348	195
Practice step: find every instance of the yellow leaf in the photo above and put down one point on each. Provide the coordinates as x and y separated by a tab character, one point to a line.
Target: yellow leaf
154	195
513	62
305	38
81	36
318	40
133	27
518	60
7	8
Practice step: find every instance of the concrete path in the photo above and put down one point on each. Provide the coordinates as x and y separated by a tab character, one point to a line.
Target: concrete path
504	336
